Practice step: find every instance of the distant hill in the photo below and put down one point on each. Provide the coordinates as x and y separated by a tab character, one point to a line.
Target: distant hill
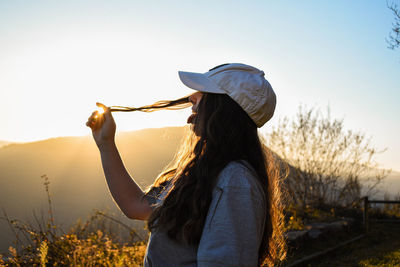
77	183
4	143
391	185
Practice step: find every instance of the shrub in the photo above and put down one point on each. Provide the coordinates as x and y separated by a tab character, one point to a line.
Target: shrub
86	244
326	162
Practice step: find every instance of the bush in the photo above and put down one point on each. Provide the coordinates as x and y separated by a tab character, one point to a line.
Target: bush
326	162
92	243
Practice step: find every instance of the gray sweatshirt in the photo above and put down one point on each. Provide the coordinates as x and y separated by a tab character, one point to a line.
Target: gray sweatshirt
233	228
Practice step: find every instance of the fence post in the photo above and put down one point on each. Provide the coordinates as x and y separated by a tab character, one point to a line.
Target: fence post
365	215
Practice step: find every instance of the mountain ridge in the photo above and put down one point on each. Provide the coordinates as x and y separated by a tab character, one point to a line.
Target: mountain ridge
77	183
73	165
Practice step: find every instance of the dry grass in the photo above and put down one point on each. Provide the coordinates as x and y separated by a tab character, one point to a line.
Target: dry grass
92	243
97	241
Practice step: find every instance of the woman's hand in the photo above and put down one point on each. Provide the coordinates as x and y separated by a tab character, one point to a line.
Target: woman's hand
103	127
127	194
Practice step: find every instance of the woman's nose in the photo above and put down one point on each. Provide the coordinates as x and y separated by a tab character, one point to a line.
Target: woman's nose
195	99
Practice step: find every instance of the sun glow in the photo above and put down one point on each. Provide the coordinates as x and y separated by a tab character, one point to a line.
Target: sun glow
100	110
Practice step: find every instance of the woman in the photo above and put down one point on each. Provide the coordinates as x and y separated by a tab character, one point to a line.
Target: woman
219	202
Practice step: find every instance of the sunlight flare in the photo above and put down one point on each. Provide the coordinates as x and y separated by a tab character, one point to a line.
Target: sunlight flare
100	110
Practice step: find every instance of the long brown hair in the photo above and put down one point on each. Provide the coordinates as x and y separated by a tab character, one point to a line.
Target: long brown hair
160	105
224	133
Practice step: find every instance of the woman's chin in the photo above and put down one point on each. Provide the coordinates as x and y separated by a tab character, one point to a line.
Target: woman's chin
190	119
195	129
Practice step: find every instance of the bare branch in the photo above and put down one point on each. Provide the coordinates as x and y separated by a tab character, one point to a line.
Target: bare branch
328	164
394	35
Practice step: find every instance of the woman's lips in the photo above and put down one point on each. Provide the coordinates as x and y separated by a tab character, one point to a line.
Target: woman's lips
191	118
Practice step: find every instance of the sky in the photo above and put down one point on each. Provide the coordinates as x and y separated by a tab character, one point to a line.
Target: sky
57	58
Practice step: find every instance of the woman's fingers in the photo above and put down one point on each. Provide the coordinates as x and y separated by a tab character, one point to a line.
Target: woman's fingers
94	115
102	125
104	107
94	119
98	118
107	111
101	105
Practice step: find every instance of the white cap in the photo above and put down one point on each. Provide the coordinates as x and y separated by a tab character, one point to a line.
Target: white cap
243	83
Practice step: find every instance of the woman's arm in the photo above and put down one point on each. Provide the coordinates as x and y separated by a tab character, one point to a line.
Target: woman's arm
126	193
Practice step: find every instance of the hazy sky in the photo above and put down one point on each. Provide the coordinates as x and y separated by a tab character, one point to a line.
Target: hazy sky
57	58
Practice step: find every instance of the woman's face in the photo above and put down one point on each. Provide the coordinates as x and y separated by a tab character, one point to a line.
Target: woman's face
195	100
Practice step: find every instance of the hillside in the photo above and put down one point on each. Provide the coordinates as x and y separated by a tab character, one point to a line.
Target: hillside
3	143
77	183
73	165
390	185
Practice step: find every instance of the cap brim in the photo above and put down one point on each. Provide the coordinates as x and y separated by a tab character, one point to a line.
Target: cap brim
199	82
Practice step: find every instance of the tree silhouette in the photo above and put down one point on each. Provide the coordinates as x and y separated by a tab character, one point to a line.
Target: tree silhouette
394	35
329	165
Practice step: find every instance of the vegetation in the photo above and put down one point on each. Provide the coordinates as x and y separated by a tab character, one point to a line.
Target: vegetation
379	248
93	243
297	217
328	167
386	259
96	242
327	163
394	36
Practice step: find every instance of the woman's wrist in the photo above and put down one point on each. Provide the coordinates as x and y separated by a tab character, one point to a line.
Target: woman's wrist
107	146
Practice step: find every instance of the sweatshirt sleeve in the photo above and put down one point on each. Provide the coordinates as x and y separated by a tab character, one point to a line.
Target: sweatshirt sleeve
234	225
